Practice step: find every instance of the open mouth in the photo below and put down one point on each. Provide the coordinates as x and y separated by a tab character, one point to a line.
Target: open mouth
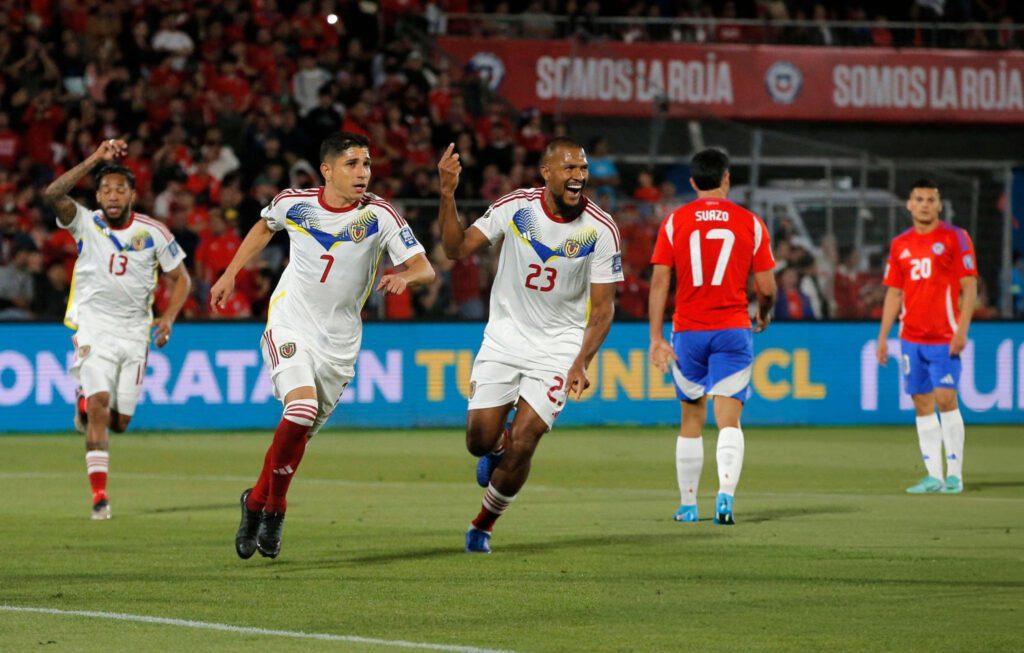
573	190
361	188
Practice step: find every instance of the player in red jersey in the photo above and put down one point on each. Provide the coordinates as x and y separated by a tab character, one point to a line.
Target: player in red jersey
714	245
932	274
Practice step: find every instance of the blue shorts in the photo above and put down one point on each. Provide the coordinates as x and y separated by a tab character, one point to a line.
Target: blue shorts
713	363
926	367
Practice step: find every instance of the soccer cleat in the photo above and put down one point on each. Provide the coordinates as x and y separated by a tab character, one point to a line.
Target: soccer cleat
953	485
485	467
487	464
100	510
723	510
245	538
477	541
686	514
81	418
268	535
927	485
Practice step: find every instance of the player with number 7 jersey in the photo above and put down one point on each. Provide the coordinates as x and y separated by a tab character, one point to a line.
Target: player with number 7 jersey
551	308
338	234
714	245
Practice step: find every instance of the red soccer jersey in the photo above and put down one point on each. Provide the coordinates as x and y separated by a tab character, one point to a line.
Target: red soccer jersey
928	268
714	245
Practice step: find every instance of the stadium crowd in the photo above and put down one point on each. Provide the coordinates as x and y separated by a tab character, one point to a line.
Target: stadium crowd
225	105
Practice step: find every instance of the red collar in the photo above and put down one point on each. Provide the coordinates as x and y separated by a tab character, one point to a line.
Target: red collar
344	209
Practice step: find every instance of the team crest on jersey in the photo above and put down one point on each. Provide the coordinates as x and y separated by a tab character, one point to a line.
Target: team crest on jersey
141	240
302	217
472	389
84	350
287	350
938	249
357	233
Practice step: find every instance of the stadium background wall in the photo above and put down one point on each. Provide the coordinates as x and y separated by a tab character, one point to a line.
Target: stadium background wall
211	377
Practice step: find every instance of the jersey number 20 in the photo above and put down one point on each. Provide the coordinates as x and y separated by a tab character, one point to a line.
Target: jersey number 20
696	262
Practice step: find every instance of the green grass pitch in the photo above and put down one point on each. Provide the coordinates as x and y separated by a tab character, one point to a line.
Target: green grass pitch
828	553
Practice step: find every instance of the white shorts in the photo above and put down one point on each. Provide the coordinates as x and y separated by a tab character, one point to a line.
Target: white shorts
107	363
498	384
293	364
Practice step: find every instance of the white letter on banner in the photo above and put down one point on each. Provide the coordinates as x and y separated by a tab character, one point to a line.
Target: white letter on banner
196	379
1020	378
388	379
1001	396
236	363
263	390
158	373
49	375
22	386
545	85
869	375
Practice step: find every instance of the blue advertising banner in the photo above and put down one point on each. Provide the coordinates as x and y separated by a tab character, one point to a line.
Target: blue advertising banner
417	374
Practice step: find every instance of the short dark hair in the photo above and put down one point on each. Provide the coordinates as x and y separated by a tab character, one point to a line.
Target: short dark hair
114	169
708	167
556	143
923	182
338	142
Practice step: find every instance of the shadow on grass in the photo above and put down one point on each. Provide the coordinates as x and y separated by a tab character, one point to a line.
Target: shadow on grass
210	507
761	516
531	547
991	485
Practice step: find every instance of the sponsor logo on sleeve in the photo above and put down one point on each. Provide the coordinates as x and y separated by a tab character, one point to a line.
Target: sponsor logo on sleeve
172	248
617	263
407	237
968	262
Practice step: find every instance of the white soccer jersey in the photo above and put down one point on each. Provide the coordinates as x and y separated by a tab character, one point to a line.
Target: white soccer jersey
332	266
541	292
116	272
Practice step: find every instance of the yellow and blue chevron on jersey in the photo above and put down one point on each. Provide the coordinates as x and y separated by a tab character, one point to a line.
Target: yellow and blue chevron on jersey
140	240
304	219
580	244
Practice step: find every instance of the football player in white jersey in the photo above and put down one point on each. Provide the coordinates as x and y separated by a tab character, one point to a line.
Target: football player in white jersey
338	233
551	308
119	254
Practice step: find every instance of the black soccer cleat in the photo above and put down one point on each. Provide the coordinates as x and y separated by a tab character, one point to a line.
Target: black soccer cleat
268	537
245	538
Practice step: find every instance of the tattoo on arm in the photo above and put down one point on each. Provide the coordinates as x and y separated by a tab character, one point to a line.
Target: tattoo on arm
56	194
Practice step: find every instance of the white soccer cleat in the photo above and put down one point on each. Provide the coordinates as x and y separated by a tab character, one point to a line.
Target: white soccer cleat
100	510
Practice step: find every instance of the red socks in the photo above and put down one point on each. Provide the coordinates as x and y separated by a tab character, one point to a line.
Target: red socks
283	456
97	464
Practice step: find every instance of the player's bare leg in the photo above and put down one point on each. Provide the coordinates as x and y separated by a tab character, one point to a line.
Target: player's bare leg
263	506
118	422
929	437
97	455
486	435
690	457
952	423
729	455
509	477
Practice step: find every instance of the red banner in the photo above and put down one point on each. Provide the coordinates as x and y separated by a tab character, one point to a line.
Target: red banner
751	82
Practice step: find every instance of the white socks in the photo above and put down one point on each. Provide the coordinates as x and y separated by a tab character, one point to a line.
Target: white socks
730	459
689	462
953	439
929	436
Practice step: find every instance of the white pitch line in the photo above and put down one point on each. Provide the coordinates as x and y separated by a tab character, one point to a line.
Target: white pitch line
628	492
245	630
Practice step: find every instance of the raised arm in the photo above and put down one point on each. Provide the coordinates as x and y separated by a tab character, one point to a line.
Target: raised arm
56	194
254	242
458	242
602	310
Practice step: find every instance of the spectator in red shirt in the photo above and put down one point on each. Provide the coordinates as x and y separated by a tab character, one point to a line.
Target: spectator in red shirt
10	142
397	307
42	118
217	246
633	292
465	276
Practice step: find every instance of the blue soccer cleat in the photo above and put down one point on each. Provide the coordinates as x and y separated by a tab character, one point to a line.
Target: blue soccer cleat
485	468
686	514
927	485
477	541
723	510
953	485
